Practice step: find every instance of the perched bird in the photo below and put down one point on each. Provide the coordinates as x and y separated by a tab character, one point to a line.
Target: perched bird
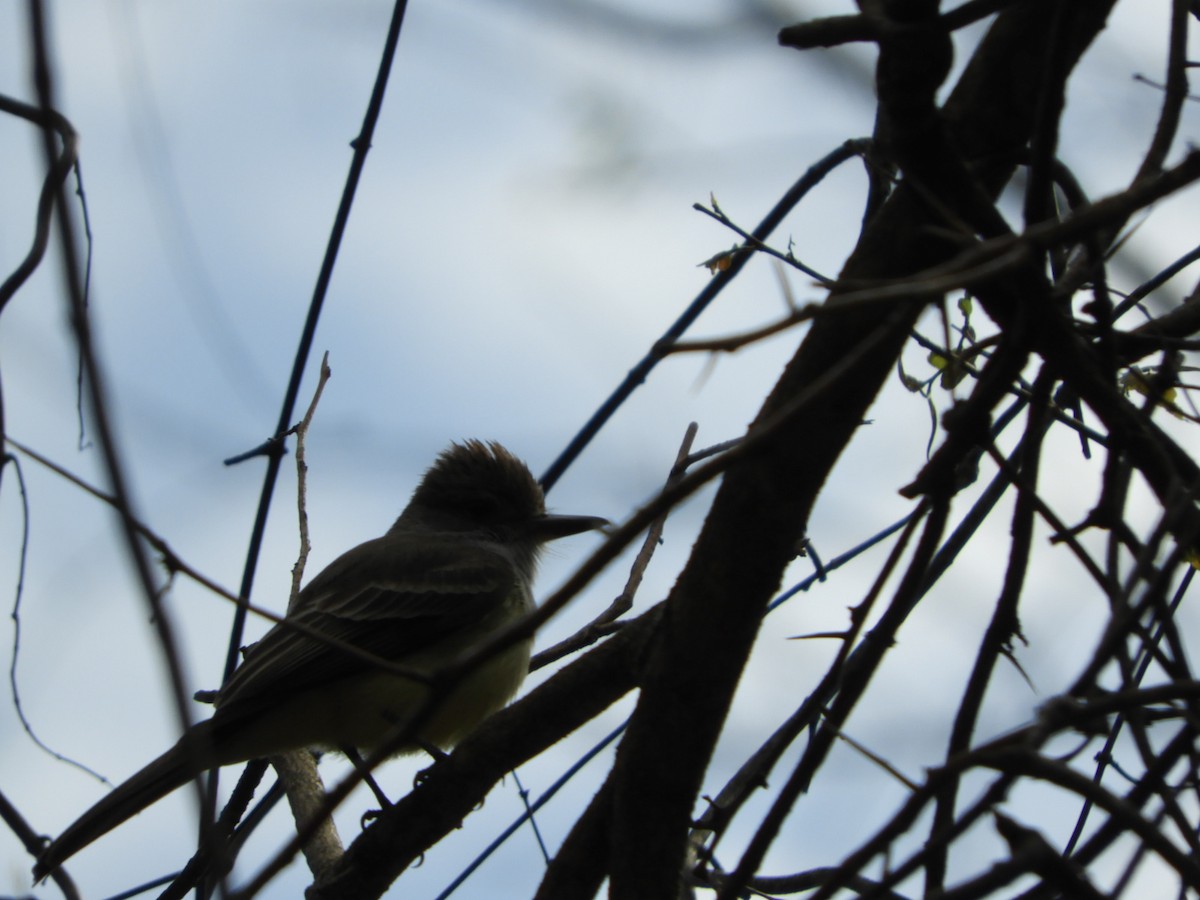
455	567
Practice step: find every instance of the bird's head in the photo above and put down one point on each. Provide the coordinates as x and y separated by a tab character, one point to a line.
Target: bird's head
478	487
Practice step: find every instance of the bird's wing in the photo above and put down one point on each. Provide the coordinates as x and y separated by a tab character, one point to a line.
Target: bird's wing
389	605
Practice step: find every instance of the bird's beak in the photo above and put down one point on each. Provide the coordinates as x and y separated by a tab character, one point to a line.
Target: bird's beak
550	527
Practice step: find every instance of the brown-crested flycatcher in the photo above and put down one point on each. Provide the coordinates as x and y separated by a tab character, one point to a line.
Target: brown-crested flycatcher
455	567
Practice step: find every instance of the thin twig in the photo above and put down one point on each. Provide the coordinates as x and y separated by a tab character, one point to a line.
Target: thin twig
15	615
639	373
301	432
751	243
606	622
96	381
297	769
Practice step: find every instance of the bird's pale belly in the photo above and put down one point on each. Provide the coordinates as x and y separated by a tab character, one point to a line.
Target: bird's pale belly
366	710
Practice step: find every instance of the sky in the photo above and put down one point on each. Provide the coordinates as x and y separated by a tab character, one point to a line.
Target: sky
522	234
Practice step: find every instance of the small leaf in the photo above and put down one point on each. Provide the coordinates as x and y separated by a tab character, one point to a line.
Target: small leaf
953	375
721	261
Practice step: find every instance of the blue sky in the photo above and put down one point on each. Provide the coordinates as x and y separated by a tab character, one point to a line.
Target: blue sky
522	234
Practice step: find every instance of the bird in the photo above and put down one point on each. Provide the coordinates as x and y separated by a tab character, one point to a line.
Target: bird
456	566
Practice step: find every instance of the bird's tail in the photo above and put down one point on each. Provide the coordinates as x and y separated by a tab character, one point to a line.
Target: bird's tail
171	770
